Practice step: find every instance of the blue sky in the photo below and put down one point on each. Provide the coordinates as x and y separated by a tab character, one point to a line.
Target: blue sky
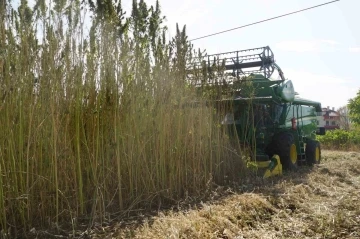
319	49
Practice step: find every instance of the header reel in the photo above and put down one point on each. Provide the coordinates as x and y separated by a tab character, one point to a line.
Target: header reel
231	66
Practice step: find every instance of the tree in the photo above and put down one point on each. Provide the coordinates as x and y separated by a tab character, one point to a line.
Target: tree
344	120
354	109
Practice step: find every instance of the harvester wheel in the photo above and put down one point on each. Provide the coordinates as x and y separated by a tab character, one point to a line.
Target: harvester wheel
286	148
313	152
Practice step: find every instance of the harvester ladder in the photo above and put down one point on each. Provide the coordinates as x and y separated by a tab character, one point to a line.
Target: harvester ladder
302	148
300	136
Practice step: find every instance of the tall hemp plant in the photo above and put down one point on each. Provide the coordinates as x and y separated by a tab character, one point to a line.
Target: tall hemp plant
97	119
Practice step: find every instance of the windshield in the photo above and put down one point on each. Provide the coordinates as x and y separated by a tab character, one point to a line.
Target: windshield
260	114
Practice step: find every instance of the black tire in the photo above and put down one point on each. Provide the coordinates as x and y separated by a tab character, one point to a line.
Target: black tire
312	155
286	149
270	149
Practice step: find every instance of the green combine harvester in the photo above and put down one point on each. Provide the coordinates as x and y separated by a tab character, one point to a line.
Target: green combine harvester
264	114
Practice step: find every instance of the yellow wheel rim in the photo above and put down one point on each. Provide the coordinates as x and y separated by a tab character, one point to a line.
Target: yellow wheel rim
293	153
317	154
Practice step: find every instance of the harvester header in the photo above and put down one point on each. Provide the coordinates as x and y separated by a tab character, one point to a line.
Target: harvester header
239	63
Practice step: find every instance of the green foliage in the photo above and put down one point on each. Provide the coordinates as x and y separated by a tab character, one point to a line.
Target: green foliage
340	139
354	109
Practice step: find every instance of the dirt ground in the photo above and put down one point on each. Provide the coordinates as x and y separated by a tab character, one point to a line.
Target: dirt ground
322	202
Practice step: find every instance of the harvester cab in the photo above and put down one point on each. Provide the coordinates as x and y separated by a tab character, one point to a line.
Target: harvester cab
263	113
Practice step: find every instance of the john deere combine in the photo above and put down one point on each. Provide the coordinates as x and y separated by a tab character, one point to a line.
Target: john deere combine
263	113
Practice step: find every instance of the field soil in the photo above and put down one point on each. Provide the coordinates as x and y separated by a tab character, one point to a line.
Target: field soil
318	202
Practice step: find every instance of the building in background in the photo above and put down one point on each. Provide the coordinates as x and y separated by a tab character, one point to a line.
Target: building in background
328	118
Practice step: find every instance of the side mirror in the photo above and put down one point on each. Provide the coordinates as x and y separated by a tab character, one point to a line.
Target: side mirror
320	131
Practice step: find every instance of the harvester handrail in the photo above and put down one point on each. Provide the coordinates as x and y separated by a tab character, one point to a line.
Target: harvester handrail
245	50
